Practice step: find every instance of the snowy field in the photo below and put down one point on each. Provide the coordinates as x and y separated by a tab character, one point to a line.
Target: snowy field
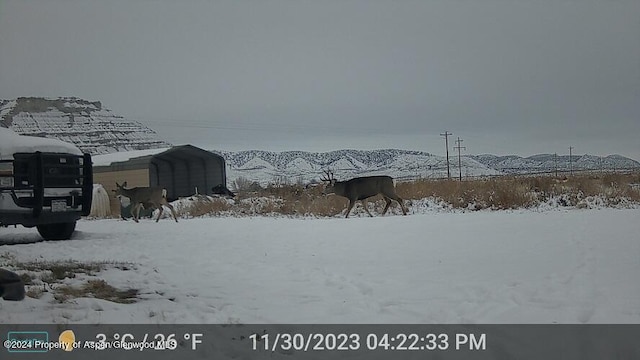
552	266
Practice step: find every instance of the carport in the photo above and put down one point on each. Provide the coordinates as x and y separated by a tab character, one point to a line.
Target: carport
183	169
180	169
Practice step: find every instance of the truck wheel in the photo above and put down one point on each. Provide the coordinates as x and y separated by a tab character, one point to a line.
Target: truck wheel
60	231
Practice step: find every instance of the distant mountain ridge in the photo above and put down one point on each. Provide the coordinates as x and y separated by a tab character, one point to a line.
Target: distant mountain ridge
300	166
546	163
86	124
97	130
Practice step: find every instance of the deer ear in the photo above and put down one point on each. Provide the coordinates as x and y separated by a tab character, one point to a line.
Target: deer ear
124	184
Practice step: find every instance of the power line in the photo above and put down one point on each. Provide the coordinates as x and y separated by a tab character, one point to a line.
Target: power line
256	126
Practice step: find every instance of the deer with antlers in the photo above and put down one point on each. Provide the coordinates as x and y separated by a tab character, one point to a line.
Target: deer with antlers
362	188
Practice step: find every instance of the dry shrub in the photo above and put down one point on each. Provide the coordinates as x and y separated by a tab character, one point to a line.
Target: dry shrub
242	185
208	206
296	200
511	192
260	206
330	205
270	205
40	277
618	186
507	192
284	191
98	289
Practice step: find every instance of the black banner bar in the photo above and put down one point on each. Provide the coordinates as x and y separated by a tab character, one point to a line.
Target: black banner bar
339	341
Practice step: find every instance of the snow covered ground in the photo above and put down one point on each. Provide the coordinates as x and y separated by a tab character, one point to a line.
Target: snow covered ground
524	266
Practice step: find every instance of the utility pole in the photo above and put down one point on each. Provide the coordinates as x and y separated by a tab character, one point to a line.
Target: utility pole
570	160
446	142
600	163
458	147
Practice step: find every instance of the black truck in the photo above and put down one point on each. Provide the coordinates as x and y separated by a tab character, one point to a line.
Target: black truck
44	183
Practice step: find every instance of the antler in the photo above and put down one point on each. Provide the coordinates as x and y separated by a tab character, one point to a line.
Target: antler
329	176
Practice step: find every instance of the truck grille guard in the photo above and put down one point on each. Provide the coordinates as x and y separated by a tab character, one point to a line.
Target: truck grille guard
42	171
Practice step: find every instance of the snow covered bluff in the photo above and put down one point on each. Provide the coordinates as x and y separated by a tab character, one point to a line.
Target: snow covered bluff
86	124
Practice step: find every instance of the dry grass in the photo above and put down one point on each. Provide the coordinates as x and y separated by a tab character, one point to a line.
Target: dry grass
208	206
508	192
42	277
523	192
98	289
291	200
52	272
500	193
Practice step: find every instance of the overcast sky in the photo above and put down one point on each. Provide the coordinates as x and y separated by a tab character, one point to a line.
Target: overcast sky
507	76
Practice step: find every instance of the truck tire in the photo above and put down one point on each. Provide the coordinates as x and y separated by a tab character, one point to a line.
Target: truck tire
60	231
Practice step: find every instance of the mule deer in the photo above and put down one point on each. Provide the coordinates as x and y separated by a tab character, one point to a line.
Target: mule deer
145	196
362	188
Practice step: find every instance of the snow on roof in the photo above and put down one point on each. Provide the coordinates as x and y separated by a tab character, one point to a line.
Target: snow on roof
108	159
12	142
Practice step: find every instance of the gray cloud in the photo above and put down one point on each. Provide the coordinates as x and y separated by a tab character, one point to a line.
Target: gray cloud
517	77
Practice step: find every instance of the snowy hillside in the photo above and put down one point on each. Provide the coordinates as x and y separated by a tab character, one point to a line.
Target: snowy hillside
299	166
86	124
542	163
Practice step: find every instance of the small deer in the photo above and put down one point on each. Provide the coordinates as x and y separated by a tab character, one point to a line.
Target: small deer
362	188
145	196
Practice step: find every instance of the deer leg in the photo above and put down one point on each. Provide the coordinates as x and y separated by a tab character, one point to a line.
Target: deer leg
135	209
365	203
161	208
386	207
351	203
401	203
140	207
396	198
173	212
